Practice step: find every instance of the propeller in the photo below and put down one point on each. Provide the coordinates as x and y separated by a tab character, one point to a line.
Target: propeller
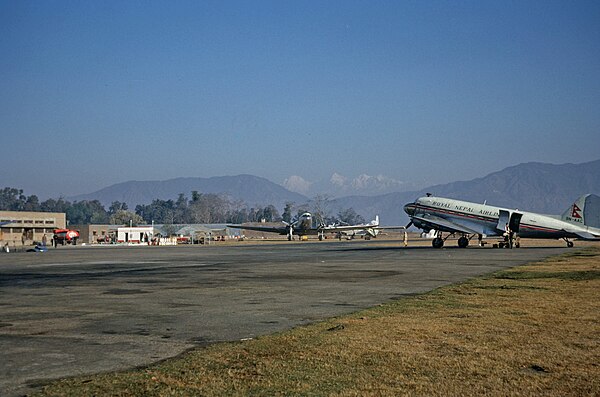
290	228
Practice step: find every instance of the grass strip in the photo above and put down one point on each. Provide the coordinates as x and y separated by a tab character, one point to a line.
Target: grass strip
531	330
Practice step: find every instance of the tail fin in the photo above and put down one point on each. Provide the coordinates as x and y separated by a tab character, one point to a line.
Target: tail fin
584	212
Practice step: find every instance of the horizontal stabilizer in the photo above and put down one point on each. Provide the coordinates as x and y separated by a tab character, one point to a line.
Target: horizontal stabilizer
583	235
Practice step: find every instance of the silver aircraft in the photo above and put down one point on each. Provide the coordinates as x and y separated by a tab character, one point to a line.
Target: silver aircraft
581	220
304	226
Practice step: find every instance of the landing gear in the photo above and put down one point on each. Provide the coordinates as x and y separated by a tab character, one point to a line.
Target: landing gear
437	242
321	236
463	242
569	243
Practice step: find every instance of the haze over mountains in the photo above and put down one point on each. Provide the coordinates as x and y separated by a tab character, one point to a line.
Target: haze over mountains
538	187
339	185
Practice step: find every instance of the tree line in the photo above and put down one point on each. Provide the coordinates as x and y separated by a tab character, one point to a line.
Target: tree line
200	208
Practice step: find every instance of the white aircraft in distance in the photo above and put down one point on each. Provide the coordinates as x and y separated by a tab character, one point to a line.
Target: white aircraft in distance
580	220
303	226
369	230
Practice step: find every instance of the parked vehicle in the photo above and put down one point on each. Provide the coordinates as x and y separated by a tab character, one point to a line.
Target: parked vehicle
65	236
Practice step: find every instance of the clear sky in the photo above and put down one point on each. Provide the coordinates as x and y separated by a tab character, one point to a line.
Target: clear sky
99	92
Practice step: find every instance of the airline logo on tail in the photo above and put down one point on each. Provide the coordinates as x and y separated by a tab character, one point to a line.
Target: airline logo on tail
576	212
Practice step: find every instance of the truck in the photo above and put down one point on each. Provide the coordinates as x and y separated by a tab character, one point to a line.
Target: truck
65	236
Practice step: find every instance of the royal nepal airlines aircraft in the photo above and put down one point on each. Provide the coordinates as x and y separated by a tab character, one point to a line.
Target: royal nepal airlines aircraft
580	220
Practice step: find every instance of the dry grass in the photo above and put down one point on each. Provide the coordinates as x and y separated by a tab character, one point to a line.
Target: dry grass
532	330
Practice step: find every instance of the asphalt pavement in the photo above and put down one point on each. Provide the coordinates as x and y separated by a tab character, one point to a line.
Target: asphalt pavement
82	310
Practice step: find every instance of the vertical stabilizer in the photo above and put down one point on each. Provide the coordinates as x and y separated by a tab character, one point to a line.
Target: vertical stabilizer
584	211
591	213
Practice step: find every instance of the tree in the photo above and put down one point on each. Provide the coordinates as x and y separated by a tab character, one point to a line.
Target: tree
12	199
126	218
52	205
182	212
32	203
159	211
270	214
350	217
86	212
321	205
287	212
117	206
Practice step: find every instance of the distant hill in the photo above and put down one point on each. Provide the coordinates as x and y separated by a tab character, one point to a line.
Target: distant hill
253	190
537	187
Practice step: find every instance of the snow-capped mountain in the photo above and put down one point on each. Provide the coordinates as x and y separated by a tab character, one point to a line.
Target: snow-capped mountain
339	185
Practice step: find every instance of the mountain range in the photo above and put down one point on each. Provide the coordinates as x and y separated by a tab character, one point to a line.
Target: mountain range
338	185
253	190
537	187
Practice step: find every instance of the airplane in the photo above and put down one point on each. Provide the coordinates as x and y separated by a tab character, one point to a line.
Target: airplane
369	230
581	220
303	226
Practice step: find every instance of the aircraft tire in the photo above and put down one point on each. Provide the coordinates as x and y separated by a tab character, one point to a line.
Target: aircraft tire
437	242
463	242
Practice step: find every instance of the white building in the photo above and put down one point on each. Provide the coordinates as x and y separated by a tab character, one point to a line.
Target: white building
135	235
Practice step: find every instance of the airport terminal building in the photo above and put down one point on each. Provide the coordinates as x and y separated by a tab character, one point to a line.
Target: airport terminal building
25	228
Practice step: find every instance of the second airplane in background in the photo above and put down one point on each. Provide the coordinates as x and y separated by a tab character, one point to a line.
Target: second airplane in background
304	226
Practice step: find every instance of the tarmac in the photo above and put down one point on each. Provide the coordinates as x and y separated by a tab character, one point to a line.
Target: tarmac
83	310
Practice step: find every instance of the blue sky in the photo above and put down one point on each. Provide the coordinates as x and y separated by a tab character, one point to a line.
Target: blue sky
94	93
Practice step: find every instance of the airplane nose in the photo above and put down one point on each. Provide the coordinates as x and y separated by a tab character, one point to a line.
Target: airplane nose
409	209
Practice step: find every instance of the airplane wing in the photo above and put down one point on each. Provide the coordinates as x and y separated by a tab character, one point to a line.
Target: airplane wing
346	227
268	229
446	224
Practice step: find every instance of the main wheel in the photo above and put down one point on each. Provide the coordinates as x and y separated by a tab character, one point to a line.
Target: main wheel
437	242
463	242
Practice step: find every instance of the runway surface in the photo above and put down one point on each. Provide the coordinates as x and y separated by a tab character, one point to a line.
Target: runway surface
83	310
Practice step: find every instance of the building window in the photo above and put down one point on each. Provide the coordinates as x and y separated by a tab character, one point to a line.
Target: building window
49	222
